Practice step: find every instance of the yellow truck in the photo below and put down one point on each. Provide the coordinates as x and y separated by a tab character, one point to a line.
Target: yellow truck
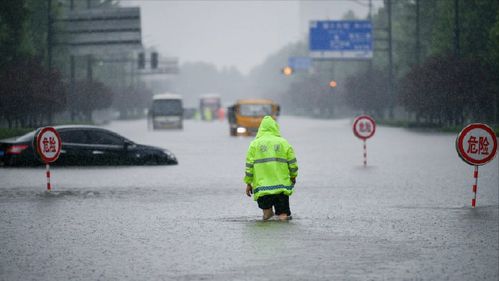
246	114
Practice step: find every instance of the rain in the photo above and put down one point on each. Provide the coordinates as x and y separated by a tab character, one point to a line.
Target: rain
390	107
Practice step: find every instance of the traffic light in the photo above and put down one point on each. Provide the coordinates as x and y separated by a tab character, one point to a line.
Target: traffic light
141	61
154	60
288	70
333	84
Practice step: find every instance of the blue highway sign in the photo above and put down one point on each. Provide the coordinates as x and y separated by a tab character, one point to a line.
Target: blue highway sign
346	39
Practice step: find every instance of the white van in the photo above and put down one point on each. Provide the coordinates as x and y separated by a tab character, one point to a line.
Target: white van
166	111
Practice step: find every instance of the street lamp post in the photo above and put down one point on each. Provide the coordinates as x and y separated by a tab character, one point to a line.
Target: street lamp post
390	60
49	35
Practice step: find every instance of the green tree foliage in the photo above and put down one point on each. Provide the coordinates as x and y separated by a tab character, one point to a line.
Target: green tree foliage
311	96
13	36
25	83
494	41
90	96
477	48
478	53
30	94
448	91
367	91
37	26
477	19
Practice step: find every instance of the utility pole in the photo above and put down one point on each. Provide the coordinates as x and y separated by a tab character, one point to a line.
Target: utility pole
49	35
72	74
457	48
49	55
418	39
72	78
370	17
390	60
89	57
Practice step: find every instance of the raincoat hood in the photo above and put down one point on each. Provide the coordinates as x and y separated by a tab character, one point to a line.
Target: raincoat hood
268	127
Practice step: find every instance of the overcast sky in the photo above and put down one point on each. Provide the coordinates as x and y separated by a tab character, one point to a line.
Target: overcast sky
233	33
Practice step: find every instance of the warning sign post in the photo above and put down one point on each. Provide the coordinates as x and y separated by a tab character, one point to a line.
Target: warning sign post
48	146
476	144
364	127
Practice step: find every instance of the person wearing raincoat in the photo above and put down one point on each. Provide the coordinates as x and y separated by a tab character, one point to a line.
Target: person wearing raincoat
271	170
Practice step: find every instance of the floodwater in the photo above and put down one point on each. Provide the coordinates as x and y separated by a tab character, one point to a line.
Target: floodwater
406	216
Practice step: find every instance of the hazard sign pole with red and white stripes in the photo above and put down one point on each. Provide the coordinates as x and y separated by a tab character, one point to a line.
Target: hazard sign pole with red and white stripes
476	144
365	153
47	169
475	187
48	146
364	127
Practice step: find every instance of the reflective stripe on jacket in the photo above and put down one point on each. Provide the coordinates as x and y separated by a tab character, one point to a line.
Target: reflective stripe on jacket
270	162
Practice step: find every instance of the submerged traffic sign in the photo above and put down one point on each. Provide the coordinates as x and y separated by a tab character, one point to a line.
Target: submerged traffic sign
364	127
48	144
476	144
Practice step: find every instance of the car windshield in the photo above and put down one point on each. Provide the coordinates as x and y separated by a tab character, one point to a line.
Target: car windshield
167	107
255	109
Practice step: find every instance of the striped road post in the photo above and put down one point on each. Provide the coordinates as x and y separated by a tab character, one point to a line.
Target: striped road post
48	146
47	169
475	187
476	145
364	127
365	153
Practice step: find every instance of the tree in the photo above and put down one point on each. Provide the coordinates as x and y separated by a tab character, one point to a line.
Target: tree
449	91
13	31
90	96
368	91
30	94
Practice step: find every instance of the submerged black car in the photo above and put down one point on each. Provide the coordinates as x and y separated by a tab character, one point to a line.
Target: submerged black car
85	145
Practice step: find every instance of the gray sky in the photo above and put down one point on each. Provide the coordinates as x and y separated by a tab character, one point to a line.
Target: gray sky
232	33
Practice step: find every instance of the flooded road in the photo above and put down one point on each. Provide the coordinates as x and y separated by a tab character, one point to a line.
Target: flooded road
406	216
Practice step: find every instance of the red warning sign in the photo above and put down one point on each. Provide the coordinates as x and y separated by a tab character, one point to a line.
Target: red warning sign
364	127
476	144
48	144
